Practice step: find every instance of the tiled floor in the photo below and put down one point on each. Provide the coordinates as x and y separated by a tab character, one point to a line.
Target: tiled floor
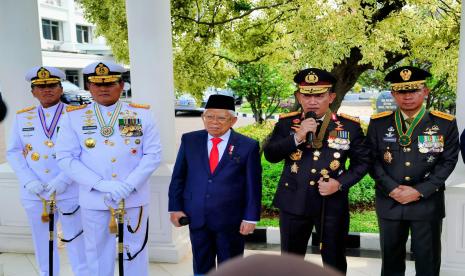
24	265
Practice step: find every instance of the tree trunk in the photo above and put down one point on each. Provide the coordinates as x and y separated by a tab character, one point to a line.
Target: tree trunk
349	70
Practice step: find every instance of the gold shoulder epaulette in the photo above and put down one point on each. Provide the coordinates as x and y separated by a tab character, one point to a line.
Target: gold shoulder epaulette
290	114
443	115
351	118
70	108
26	109
146	106
382	114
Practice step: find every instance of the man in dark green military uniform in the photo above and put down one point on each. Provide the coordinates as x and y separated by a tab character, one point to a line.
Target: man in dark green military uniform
413	151
315	142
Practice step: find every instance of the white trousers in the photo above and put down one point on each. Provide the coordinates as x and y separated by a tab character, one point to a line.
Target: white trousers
101	244
71	226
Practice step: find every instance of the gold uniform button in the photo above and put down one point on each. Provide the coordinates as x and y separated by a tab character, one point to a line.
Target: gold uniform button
47	170
113	160
312	183
287	184
408	149
407	164
113	175
313	170
407	178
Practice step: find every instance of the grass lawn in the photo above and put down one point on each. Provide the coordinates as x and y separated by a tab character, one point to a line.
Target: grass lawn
359	222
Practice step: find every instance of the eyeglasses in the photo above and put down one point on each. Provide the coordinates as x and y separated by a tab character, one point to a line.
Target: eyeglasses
211	118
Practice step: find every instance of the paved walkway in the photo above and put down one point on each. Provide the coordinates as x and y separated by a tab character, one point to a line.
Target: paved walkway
24	265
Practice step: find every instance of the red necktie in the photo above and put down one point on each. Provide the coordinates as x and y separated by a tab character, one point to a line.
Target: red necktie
214	155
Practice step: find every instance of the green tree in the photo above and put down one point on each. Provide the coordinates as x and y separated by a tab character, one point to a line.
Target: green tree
263	87
346	37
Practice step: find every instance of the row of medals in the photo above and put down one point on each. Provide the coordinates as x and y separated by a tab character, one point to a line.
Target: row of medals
91	143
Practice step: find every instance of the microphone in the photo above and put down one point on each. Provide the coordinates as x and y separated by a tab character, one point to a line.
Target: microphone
309	137
184	220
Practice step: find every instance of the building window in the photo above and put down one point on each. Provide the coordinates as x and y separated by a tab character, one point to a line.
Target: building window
72	76
51	29
83	34
52	2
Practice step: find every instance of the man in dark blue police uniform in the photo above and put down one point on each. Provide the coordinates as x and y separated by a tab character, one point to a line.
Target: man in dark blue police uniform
413	151
315	142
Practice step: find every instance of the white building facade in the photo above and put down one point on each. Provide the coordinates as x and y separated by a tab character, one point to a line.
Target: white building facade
67	38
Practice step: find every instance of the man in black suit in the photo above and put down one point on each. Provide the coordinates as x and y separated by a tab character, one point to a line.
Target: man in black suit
315	142
413	151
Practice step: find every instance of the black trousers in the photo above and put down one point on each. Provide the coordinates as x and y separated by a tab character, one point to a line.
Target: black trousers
426	244
296	230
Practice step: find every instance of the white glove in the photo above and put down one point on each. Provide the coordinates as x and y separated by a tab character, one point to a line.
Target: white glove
34	187
56	186
126	190
116	189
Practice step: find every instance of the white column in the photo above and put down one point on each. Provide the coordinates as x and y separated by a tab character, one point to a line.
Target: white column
453	238
19	51
150	51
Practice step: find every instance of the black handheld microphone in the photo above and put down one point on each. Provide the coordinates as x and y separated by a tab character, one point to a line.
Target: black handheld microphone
184	221
308	115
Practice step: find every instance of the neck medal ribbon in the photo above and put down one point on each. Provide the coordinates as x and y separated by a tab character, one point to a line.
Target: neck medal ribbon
107	130
405	137
49	131
318	140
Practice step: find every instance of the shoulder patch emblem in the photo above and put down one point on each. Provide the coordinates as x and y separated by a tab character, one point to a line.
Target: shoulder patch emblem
287	115
351	118
26	109
382	114
146	106
443	115
70	108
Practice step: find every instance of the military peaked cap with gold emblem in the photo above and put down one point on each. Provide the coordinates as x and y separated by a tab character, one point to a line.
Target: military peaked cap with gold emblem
103	72
44	75
407	78
314	81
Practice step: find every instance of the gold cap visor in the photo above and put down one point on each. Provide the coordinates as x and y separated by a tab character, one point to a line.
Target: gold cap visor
314	89
104	79
407	86
46	81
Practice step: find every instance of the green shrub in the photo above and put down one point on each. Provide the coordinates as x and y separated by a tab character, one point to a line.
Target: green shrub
362	194
270	178
257	131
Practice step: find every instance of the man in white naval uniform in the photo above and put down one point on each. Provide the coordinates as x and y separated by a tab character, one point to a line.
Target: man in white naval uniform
31	154
111	148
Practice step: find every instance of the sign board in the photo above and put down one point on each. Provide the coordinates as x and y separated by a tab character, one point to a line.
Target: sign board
385	102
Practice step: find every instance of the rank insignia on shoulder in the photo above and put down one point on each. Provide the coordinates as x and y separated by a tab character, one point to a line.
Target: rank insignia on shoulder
26	109
290	114
351	118
443	115
70	108
382	114
146	106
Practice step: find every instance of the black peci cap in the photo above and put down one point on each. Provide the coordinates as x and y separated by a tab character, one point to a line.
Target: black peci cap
218	101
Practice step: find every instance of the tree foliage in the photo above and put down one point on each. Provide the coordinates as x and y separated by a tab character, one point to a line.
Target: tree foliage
263	87
213	39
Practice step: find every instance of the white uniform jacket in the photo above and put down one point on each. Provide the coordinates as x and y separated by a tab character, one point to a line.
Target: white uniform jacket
130	154
32	157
